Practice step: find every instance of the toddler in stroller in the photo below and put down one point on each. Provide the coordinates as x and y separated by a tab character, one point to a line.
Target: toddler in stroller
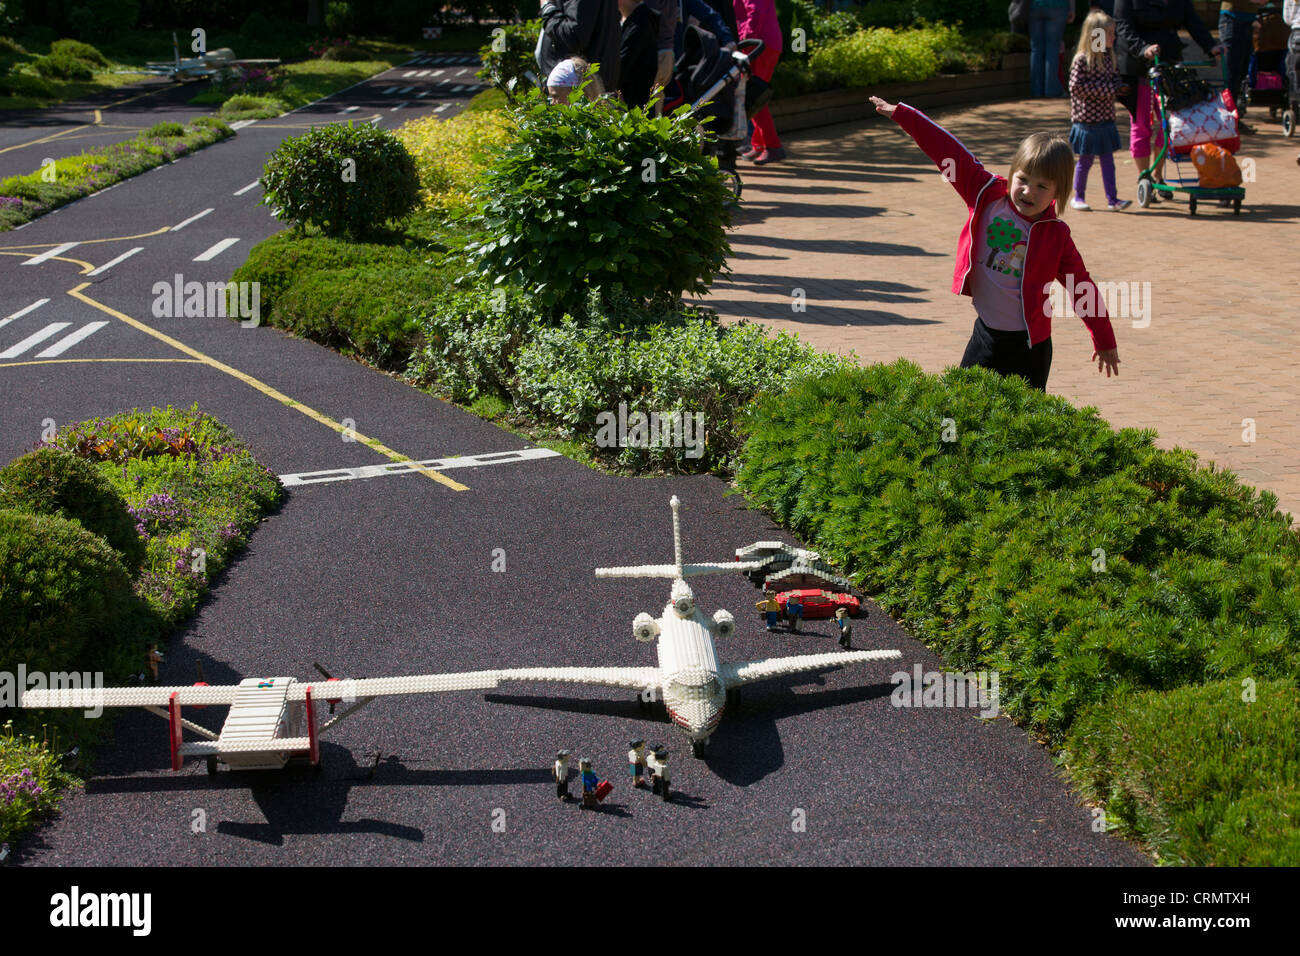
713	80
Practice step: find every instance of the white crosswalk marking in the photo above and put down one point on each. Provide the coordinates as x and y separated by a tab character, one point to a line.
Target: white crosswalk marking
407	76
126	255
391	89
440	107
215	251
50	254
68	341
51	330
21	312
406	89
398	106
436	73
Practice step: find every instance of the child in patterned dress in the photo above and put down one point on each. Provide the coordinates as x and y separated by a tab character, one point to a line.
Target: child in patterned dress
1094	81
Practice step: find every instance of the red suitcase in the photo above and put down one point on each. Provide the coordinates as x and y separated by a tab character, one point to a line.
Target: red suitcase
604	789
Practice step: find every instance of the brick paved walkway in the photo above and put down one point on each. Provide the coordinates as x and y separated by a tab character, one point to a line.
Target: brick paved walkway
863	223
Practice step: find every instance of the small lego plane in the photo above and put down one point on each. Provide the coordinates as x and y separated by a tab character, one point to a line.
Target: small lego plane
214	64
274	720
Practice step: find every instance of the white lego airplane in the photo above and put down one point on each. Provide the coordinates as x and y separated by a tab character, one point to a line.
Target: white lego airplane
273	720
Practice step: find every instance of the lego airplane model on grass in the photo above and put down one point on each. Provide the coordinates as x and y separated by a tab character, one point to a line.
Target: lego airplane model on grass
273	720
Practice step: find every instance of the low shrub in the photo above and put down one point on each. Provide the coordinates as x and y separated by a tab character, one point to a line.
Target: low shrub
451	155
165	130
66	600
1206	775
246	106
347	180
32	781
59	66
881	55
509	55
589	195
79	51
50	481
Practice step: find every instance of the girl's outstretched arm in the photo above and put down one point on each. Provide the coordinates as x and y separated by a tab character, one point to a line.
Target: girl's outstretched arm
956	163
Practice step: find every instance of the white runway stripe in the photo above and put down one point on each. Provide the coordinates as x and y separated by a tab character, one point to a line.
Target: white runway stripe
126	255
68	341
50	254
406	468
51	330
181	225
215	251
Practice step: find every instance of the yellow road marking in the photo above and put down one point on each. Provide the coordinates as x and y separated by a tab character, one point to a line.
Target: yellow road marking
99	117
85	242
265	389
85	266
74	361
43	139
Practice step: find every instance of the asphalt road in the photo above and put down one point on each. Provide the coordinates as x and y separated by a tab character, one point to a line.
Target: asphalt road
393	575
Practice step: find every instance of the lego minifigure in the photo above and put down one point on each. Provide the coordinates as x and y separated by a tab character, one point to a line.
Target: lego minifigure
652	766
589	784
661	760
155	658
793	612
560	772
846	628
770	608
636	763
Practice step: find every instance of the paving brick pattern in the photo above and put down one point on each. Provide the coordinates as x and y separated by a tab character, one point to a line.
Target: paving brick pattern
861	221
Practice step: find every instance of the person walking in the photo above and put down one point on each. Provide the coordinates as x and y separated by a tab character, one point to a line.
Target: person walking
638	53
757	18
1094	81
1047	20
1235	19
1145	29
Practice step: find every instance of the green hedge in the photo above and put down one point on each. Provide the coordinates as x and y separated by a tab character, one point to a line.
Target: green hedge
50	481
1016	533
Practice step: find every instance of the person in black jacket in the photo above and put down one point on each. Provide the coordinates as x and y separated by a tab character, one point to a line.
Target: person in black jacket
638	55
1143	30
583	28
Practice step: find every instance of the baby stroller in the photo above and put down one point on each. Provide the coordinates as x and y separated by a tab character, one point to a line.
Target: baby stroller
1265	81
1192	114
712	80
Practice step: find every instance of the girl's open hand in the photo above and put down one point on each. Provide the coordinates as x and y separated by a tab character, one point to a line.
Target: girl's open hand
883	108
1107	359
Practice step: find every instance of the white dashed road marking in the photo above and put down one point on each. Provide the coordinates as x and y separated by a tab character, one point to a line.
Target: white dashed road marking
215	251
240	192
126	255
181	225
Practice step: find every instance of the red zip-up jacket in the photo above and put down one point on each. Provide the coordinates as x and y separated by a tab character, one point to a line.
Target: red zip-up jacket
1049	252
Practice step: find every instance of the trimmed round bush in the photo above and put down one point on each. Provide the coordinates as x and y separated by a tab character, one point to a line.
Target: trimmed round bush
61	587
78	51
60	66
347	180
165	129
591	196
50	481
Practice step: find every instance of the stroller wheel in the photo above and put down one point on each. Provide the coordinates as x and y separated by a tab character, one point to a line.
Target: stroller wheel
732	179
1144	193
1191	205
1236	206
1288	122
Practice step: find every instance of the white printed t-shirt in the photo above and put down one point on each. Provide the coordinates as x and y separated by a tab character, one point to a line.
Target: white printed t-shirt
997	266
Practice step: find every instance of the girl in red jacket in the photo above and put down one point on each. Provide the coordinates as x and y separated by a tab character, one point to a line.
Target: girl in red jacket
1003	264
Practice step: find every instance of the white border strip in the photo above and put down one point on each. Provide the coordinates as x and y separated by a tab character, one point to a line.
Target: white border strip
410	467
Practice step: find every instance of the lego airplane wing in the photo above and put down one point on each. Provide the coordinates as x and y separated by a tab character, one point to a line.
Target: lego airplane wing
358	688
631	678
739	673
89	697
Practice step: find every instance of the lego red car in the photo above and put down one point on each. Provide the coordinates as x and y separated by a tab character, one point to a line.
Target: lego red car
821	604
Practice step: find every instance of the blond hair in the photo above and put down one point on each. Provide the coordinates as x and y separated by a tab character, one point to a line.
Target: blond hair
1092	35
1046	156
